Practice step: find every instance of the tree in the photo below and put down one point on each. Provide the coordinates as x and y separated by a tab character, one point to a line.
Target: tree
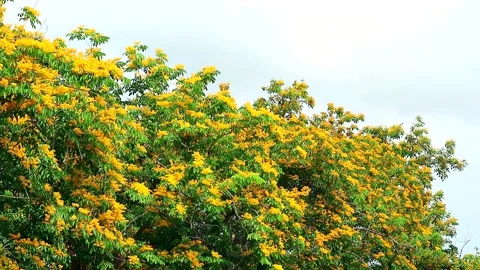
176	179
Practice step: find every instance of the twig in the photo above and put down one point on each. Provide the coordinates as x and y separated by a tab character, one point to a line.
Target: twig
14	197
131	221
461	250
234	205
381	234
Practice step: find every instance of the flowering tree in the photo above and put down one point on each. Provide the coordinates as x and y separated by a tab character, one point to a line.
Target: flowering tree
176	179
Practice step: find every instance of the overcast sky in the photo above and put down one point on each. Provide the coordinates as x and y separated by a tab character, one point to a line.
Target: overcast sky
391	60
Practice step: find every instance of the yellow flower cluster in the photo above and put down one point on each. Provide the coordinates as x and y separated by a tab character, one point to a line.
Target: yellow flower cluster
140	188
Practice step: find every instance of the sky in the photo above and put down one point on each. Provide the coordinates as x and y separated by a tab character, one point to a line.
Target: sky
391	60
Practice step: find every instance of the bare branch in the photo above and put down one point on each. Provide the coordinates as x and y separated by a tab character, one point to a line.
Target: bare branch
14	197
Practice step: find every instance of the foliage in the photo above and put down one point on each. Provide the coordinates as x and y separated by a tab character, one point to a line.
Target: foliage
177	179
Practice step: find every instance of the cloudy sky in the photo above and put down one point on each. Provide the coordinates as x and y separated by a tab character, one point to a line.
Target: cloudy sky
391	60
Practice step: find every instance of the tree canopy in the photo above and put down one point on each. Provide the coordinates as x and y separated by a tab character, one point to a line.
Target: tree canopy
128	163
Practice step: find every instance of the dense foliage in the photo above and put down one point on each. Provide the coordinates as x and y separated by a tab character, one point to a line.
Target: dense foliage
125	163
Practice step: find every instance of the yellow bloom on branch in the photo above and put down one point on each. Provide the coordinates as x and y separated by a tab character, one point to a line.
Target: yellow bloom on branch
46	149
247	216
133	259
206	171
181	209
140	188
47	187
302	152
198	160
179	66
209	70
215	202
161	133
277	267
193	79
34	12
83	211
216	255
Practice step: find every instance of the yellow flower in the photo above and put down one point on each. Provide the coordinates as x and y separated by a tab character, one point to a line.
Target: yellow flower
130	49
200	125
216	255
141	148
109	234
38	261
206	171
179	66
133	259
195	113
302	152
181	209
129	241
83	211
215	191
163	103
193	79
146	248
60	225
140	188
198	160
209	70
15	236
133	168
274	211
277	267
252	201
227	99
161	133
3	82
378	255
78	131
19	120
34	12
324	250
192	257
247	216
58	197
47	187
267	249
46	149
251	110
215	202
